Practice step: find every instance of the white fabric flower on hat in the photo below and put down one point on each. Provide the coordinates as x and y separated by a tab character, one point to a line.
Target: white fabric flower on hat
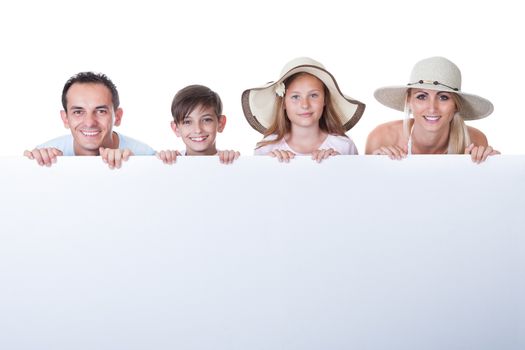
280	89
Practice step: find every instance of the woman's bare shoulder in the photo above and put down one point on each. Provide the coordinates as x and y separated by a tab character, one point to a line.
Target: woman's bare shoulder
386	134
477	137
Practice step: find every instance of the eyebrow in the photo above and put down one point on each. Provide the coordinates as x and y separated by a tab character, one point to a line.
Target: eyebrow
97	107
437	93
201	116
309	91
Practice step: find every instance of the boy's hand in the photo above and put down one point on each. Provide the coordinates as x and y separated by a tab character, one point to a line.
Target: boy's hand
114	157
282	155
321	154
44	156
228	156
168	156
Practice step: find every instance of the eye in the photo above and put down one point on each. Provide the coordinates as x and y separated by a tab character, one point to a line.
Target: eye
207	120
314	95
421	97
186	122
102	111
78	113
444	97
295	97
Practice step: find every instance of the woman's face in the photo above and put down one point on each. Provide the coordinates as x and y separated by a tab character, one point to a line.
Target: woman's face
432	110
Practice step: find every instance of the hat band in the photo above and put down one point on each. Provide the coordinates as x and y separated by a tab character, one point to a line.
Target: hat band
435	82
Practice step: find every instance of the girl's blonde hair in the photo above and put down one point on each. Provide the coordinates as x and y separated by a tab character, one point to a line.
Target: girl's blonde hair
458	138
330	121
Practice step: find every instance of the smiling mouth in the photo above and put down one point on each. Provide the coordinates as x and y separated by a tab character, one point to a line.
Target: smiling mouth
198	139
432	118
90	133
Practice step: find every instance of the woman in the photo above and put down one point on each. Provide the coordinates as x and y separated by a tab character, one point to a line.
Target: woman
435	109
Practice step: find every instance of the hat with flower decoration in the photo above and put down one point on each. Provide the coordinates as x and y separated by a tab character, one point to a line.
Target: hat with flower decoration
259	103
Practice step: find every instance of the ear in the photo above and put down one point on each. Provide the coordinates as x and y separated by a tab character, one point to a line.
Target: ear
63	115
118	116
175	129
222	123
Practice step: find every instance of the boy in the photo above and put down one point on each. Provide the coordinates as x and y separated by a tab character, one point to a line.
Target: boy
197	118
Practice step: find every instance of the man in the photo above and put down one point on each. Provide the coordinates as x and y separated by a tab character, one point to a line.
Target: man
91	108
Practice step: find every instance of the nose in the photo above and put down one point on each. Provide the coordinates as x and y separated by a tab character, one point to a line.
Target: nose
305	103
197	128
89	119
433	104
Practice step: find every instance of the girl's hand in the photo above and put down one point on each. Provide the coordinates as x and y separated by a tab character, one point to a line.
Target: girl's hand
228	156
282	155
480	153
168	156
393	152
321	154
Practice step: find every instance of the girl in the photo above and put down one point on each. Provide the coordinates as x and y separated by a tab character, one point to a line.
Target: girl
302	113
434	98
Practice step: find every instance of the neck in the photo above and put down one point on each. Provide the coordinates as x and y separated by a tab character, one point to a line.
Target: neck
428	142
211	151
305	140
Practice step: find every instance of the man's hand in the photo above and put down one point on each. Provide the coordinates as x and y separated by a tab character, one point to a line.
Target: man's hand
114	157
44	156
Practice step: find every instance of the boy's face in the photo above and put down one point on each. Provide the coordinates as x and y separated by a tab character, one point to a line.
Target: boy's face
198	130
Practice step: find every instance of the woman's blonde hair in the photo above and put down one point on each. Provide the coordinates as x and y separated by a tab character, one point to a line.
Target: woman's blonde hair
330	121
458	138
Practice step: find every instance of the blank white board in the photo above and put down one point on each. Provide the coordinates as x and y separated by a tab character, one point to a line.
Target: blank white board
356	252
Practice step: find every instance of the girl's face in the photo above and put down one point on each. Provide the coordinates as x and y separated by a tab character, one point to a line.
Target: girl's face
433	110
304	101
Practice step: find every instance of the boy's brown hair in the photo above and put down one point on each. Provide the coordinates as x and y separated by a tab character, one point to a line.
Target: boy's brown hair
192	96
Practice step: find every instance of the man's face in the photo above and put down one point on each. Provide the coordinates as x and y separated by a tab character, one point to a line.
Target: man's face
90	117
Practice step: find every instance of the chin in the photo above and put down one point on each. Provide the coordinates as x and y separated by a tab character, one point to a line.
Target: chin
91	148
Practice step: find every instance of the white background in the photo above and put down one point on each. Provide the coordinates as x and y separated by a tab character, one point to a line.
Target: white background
152	49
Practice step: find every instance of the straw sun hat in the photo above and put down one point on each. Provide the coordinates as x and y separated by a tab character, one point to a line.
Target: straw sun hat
436	73
259	103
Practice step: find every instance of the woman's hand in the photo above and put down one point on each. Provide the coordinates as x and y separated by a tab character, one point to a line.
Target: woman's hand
480	153
393	152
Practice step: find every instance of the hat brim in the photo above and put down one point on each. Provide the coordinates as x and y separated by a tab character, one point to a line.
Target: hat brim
259	104
472	106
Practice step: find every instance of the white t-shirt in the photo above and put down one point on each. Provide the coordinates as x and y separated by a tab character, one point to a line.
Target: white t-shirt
342	144
65	144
